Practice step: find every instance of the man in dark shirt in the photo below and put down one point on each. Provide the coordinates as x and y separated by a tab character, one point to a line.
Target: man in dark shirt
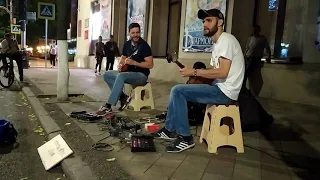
137	54
111	50
99	54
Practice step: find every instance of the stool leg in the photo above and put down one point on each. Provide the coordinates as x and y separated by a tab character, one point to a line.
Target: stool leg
237	134
137	99
206	124
151	102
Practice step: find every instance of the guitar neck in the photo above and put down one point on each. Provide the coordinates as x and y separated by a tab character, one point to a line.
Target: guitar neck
179	64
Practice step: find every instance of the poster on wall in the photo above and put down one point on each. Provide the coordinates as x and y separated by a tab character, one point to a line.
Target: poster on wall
79	28
318	29
193	40
105	28
86	23
86	34
136	13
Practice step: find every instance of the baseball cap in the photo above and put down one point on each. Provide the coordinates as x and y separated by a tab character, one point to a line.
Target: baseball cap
202	14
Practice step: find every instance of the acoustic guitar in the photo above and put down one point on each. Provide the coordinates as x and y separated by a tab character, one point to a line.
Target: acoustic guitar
125	67
173	57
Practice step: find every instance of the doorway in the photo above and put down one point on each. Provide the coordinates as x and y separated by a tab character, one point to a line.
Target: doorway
174	21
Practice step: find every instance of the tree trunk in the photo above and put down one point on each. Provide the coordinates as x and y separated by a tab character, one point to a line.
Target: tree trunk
63	65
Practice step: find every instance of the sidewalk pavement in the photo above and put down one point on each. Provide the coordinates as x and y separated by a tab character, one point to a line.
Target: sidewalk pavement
292	153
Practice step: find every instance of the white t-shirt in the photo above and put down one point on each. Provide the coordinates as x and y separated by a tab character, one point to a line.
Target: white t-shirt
53	49
229	47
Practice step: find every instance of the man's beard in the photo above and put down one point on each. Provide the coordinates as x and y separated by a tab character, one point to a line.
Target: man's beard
211	32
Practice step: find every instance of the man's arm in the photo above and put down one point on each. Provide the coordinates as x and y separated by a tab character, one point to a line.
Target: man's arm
247	46
218	73
147	64
5	46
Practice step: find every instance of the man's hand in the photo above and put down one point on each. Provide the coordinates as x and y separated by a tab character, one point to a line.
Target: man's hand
130	62
186	72
120	67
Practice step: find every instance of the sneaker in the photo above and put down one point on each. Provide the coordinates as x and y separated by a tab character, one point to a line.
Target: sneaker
181	144
95	71
124	102
164	134
103	111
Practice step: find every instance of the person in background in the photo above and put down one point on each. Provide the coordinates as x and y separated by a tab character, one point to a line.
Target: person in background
111	51
99	54
53	53
256	44
10	49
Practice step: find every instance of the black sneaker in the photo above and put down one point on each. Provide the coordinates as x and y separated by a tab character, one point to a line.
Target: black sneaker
164	134
124	102
181	144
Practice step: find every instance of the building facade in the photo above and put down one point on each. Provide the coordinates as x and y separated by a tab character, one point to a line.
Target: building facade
171	25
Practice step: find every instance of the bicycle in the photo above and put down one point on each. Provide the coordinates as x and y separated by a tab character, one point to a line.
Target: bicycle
6	71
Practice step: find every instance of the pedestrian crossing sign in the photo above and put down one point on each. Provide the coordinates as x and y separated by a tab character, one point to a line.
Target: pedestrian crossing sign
15	29
46	11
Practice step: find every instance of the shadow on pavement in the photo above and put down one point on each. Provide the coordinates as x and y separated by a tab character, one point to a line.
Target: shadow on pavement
305	166
6	149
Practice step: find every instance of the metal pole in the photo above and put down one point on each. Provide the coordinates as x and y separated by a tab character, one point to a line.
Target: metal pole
24	35
11	16
46	36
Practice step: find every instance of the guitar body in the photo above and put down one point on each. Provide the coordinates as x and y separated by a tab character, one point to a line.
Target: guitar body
192	80
125	68
199	80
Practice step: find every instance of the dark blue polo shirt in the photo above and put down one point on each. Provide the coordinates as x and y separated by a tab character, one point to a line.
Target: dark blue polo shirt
144	51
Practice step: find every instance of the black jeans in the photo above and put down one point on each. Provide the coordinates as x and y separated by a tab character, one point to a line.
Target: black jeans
110	63
53	59
99	61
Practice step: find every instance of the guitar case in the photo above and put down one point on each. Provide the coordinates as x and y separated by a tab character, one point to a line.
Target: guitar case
253	116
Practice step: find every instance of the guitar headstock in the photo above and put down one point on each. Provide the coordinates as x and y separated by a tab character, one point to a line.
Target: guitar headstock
172	57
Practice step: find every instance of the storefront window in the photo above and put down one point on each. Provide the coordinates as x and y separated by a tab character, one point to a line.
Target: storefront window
272	5
137	14
193	40
100	22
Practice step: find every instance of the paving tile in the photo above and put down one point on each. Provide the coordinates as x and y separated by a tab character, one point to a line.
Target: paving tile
270	145
246	172
170	160
161	170
135	167
272	158
146	157
197	159
187	173
144	176
251	154
267	175
207	176
93	129
221	165
197	166
124	154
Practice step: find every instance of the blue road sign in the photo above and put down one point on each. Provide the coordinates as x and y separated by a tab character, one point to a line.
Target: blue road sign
46	11
15	29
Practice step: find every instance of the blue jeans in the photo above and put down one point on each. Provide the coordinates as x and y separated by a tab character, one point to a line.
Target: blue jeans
116	81
177	116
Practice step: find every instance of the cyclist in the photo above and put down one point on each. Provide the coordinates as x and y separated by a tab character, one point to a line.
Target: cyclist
9	48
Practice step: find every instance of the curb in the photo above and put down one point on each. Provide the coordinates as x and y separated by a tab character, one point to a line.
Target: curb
73	166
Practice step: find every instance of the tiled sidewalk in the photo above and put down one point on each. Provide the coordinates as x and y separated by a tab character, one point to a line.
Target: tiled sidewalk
292	151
